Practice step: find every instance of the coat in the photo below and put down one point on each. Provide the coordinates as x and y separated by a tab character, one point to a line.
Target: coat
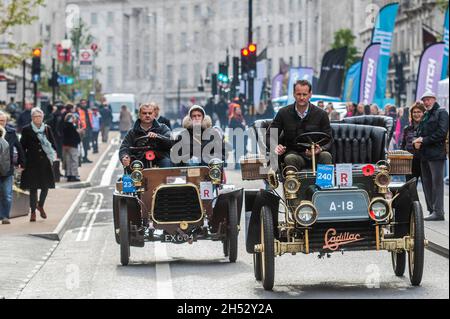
165	121
38	172
13	141
434	132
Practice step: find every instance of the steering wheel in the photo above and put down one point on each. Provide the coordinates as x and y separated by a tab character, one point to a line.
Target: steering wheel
309	138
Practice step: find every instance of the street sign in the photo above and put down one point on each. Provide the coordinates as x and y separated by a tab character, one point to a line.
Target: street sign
86	57
86	72
65	79
12	87
94	47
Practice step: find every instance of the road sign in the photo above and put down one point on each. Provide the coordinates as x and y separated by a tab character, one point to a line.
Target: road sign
12	87
86	57
94	47
86	72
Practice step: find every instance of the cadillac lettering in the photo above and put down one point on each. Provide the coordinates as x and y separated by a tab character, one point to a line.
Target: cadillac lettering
333	242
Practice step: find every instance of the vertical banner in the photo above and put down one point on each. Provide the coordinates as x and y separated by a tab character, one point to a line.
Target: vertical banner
296	74
332	72
261	71
277	86
383	33
351	85
369	81
445	60
430	68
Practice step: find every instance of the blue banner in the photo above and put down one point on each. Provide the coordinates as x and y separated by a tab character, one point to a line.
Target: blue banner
384	33
445	60
351	86
296	74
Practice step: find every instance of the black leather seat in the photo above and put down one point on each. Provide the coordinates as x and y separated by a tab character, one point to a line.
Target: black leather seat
374	120
353	143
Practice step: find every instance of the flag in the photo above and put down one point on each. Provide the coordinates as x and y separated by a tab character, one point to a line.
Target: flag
332	72
430	68
383	34
368	80
351	85
262	55
296	74
445	61
277	86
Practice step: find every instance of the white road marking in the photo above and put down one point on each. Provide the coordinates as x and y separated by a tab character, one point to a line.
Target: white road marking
69	213
106	179
88	216
100	161
96	211
164	287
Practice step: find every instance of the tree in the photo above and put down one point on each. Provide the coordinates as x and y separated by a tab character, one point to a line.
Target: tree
345	38
15	13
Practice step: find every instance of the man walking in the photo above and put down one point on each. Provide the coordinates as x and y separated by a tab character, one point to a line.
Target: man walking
86	125
432	133
105	120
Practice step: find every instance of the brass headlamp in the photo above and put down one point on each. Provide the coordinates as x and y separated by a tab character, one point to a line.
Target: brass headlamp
136	173
215	171
291	185
383	178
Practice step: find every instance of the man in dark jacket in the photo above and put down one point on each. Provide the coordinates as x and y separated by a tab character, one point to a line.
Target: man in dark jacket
432	133
17	158
146	125
298	118
105	120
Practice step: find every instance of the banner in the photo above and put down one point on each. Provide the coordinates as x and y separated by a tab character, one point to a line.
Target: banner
296	74
445	60
369	81
383	34
277	86
261	71
332	72
430	68
351	85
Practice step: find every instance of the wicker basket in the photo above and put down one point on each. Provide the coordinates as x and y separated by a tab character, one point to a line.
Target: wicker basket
400	162
251	167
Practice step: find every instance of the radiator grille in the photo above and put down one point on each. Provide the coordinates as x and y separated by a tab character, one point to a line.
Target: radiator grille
173	204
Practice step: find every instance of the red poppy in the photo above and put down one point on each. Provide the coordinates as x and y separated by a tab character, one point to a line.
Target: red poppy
150	155
368	170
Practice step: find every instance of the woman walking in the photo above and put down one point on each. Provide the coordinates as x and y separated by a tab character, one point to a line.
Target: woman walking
125	121
39	147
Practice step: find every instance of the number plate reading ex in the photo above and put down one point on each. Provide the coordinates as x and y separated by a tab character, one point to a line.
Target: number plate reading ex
127	184
325	176
341	205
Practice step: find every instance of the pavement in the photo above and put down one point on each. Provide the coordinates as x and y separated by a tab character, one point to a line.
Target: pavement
60	202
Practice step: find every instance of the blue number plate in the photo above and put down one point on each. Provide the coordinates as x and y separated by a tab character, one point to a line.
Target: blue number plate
341	205
127	184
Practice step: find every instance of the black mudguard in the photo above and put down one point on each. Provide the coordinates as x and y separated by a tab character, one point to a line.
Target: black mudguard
220	209
254	201
133	208
402	206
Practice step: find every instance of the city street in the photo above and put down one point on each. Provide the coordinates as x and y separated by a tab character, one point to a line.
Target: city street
86	264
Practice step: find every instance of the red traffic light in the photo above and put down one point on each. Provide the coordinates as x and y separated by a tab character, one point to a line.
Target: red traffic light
252	48
245	52
37	52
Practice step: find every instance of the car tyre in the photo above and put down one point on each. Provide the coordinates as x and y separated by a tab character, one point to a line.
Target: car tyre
233	232
268	250
416	255
399	263
124	233
257	266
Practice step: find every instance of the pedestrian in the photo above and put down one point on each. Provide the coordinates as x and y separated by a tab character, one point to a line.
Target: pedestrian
221	109
432	133
86	123
39	146
11	154
321	104
351	109
24	117
125	121
374	109
329	108
95	128
71	140
237	121
12	108
409	134
161	119
360	109
105	120
367	109
55	121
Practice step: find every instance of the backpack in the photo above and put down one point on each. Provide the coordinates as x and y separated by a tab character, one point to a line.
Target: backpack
5	159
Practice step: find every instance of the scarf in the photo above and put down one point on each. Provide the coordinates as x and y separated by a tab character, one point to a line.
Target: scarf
46	145
426	117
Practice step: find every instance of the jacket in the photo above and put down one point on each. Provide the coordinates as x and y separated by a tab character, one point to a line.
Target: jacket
162	148
165	121
434	132
290	125
409	135
125	121
38	172
13	141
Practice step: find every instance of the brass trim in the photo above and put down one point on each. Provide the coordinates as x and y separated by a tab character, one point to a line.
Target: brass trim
272	179
306	203
291	247
377	236
389	205
291	194
184	225
157	189
306	241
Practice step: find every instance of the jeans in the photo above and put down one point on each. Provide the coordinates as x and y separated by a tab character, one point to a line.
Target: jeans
95	141
6	194
33	198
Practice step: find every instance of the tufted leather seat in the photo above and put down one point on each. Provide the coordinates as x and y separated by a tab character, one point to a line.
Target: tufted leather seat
353	143
374	120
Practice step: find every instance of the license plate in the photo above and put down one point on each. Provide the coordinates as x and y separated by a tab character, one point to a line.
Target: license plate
341	205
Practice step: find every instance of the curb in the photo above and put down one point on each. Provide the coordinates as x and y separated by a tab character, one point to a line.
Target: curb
437	249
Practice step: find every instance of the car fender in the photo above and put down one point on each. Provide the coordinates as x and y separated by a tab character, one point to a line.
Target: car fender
220	209
133	208
404	196
254	201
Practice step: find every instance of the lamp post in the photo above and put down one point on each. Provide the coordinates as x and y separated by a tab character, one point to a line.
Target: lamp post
66	45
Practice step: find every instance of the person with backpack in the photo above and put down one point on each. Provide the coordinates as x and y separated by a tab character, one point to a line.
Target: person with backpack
11	154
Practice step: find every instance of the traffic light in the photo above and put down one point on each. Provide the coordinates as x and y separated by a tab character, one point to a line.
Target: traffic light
53	81
36	65
223	73
244	60
214	84
252	58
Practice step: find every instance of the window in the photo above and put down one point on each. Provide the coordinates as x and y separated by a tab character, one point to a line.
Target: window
197	11
183	41
223	39
183	76
197	75
110	46
138	63
147	61
291	6
94	19
291	33
269	34
110	19
169	43
196	38
291	61
299	60
110	78
300	30
269	68
169	76
235	38
281	6
183	14
168	13
281	34
258	34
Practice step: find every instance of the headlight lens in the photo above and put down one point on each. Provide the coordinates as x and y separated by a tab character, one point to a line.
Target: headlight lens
215	174
379	210
137	176
383	179
137	165
306	214
291	185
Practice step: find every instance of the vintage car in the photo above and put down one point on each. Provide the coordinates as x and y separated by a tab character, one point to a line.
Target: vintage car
372	213
174	205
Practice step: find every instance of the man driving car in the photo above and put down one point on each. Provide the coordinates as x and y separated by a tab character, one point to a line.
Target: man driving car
296	119
158	136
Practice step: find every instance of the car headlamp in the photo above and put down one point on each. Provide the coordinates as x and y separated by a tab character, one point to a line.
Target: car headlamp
291	187
306	214
215	173
379	209
137	176
137	165
382	180
272	179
